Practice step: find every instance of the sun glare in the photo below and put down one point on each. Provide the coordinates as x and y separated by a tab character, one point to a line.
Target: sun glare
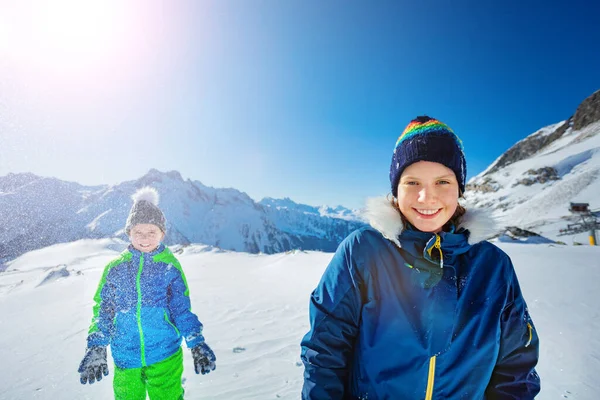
69	38
74	31
75	48
73	25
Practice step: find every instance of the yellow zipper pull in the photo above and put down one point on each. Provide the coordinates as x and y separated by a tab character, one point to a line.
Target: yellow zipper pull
437	245
438	242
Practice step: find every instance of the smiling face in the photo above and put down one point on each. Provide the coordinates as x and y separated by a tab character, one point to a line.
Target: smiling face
146	237
428	195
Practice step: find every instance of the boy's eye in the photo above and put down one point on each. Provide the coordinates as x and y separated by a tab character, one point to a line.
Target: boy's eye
410	183
444	182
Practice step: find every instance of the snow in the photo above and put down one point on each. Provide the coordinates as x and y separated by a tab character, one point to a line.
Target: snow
575	157
92	225
76	251
565	166
254	308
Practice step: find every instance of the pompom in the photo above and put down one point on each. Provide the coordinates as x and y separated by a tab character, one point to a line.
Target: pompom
146	193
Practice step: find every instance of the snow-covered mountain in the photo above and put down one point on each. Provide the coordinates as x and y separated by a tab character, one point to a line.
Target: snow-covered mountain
532	184
324	211
37	212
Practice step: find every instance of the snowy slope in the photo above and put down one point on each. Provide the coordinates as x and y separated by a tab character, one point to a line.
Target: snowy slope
519	196
256	328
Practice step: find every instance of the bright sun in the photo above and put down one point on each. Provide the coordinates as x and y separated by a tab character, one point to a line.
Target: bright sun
76	25
80	45
66	35
75	28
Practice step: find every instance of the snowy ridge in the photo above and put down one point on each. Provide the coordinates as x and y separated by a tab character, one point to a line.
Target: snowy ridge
545	131
39	212
324	211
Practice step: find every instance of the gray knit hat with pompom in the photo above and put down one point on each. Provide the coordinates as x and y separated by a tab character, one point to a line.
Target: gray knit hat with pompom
145	210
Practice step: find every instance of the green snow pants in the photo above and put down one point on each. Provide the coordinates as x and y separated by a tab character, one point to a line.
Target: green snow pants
162	380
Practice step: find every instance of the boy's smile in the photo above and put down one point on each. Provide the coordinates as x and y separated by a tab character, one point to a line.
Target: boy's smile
146	237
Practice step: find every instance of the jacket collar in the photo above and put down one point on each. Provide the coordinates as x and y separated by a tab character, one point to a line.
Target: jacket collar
383	217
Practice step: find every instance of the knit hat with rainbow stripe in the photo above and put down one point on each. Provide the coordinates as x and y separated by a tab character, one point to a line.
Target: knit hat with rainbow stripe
427	139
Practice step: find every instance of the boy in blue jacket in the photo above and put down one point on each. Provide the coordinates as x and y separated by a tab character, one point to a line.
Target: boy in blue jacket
143	310
419	305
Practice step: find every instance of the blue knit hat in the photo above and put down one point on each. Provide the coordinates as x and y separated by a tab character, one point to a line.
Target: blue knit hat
427	139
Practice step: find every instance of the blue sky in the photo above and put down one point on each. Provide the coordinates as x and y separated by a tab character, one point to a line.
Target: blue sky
299	99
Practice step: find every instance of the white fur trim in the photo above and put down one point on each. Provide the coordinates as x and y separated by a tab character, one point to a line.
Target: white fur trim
480	224
383	217
146	193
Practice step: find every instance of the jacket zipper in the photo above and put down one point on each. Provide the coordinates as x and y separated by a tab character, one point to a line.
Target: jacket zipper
139	310
430	379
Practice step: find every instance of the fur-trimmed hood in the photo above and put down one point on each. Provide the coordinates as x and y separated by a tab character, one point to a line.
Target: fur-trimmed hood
383	217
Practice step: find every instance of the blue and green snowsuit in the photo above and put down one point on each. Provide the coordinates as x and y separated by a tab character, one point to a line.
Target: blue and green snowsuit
143	309
416	315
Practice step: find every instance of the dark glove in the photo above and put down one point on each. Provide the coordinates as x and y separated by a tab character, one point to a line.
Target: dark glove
204	359
93	365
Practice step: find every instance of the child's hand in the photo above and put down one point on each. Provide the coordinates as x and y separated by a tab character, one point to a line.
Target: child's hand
204	359
93	365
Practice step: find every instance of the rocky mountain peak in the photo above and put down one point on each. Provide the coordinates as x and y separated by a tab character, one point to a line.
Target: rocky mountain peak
530	146
588	111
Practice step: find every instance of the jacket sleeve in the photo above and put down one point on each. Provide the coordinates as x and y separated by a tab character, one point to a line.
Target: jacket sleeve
102	326
514	376
180	309
334	312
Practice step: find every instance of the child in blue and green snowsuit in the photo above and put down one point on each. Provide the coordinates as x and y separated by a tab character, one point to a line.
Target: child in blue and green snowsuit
143	310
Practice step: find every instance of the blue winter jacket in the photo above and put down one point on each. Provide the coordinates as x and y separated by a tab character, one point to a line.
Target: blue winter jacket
143	309
383	326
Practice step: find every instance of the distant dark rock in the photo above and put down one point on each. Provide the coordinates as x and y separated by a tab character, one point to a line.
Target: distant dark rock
486	186
588	112
541	175
518	232
515	234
